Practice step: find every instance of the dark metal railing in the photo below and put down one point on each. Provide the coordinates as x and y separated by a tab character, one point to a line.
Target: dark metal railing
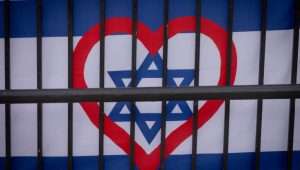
261	71
164	84
70	81
101	83
7	84
133	80
150	94
196	83
293	82
163	93
39	83
228	79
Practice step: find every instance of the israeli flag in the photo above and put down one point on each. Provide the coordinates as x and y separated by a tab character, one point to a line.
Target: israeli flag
181	39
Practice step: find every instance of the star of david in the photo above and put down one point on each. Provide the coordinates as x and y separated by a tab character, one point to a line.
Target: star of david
149	123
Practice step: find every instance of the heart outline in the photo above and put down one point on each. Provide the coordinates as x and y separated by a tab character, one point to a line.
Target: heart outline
152	41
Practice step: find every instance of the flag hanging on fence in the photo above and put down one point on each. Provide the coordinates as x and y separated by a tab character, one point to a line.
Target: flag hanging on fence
149	69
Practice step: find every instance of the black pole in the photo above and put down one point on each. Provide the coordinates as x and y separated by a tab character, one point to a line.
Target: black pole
101	82
264	4
70	81
164	84
150	94
7	84
293	82
39	84
228	78
196	84
133	80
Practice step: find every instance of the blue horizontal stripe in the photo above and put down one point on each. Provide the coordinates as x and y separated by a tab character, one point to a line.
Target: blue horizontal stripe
86	14
237	161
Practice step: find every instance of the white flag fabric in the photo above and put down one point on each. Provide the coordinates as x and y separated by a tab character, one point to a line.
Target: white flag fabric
181	39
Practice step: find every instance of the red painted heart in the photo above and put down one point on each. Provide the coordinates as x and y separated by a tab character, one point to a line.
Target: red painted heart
152	41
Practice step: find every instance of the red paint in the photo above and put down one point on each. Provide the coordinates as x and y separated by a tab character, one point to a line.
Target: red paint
152	41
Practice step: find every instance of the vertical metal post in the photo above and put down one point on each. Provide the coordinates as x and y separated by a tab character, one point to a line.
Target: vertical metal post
39	83
263	29
228	79
164	84
7	84
293	82
133	79
196	83
70	81
101	83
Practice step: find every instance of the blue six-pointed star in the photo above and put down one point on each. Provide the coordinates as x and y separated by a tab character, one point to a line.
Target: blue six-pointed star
152	68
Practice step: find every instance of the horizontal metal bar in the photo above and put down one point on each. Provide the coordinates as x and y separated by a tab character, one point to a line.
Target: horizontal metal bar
149	94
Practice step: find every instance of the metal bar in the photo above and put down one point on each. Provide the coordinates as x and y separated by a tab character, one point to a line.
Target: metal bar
163	118
39	84
228	79
133	80
70	75
196	84
264	4
150	94
6	24
101	82
293	82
